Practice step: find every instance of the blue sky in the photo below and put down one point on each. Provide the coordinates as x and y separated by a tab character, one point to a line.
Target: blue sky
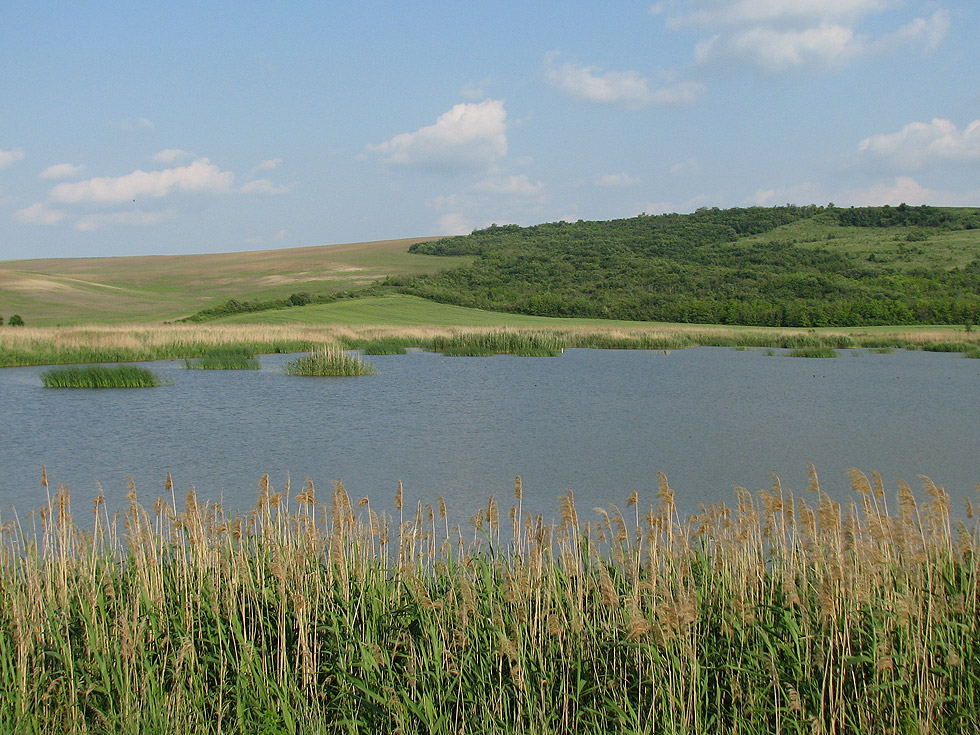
192	127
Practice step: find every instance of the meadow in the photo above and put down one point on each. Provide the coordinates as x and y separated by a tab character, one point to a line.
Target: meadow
312	613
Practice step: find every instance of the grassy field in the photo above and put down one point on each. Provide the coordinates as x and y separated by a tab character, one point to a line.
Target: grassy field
314	614
158	288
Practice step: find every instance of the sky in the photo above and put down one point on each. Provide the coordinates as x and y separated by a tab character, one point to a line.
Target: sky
140	128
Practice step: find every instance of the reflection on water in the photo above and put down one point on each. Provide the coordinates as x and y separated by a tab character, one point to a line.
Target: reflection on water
601	423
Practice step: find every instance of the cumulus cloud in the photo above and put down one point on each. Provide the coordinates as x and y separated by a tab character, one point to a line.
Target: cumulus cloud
476	90
61	171
617	180
920	144
268	164
263	186
470	135
689	165
132	219
518	186
172	155
199	176
454	223
133	125
11	156
627	88
806	193
905	189
39	214
776	36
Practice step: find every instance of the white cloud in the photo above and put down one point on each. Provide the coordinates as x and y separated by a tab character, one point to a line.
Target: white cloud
61	171
777	36
627	88
172	155
923	33
470	135
133	125
199	176
774	51
518	186
263	186
919	144
269	163
39	214
476	90
454	223
905	189
132	219
616	180
11	156
806	193
689	165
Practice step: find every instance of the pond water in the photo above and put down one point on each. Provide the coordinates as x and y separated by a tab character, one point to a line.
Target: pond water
602	423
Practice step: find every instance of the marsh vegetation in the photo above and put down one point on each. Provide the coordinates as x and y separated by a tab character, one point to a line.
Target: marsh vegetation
100	376
775	613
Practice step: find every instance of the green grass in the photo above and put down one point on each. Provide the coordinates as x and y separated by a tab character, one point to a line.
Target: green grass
388	346
314	613
813	352
227	357
524	343
97	376
328	361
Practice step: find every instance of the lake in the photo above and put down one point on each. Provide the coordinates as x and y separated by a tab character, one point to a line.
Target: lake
602	423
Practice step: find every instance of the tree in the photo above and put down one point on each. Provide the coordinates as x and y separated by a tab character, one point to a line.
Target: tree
15	321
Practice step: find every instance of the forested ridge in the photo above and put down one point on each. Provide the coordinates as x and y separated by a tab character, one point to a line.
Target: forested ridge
726	266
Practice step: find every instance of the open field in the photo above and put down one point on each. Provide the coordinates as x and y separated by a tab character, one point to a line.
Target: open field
776	614
158	288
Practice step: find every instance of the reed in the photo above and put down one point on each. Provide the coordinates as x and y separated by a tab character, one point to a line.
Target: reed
225	358
99	376
74	345
813	352
390	346
526	343
312	612
328	361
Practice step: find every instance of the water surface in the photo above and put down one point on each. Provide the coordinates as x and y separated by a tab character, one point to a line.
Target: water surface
600	422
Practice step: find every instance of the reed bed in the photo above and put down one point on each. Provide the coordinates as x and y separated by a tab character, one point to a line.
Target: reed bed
813	352
225	358
100	376
526	343
776	614
328	361
73	345
389	346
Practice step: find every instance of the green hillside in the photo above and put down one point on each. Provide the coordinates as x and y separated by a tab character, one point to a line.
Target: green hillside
774	266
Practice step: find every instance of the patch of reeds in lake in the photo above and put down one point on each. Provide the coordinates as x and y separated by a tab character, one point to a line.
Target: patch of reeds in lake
778	613
389	346
813	352
328	361
512	342
100	376
225	358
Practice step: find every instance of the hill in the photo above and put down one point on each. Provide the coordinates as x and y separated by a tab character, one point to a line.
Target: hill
157	288
775	266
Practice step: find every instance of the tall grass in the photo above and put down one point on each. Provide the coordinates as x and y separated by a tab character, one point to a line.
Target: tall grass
776	614
72	345
328	361
99	376
813	352
499	341
225	358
